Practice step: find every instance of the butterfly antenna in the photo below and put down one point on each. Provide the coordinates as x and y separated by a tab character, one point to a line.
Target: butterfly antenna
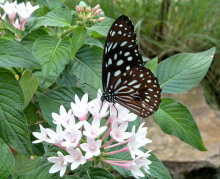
92	88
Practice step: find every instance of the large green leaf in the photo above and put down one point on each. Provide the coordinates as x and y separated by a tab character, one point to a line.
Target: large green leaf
50	101
7	161
51	4
53	55
98	173
175	119
13	54
102	28
29	85
184	71
13	125
152	64
78	39
87	68
57	18
25	163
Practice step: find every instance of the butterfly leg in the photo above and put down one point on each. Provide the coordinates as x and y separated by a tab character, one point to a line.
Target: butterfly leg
101	107
115	108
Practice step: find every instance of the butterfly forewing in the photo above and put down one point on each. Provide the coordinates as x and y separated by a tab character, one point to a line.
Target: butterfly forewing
121	51
125	80
138	90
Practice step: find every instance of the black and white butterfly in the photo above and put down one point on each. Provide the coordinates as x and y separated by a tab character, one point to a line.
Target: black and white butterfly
125	79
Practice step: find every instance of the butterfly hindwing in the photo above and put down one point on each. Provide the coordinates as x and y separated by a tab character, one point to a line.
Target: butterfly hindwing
138	90
120	51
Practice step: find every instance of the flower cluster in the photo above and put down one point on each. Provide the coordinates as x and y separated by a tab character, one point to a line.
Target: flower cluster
22	10
95	130
88	14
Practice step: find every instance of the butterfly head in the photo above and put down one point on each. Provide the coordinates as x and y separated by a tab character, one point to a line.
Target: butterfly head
108	96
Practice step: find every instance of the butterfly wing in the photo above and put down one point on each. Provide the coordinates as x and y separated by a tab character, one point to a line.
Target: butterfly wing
138	90
120	51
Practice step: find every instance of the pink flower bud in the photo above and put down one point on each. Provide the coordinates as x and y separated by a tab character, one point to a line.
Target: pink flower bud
88	9
78	9
96	8
95	20
101	19
98	12
82	8
88	17
80	16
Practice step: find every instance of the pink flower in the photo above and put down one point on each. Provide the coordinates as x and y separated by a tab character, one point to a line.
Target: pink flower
120	113
55	137
71	138
41	136
63	117
138	140
118	131
80	108
92	147
60	164
97	108
94	130
75	158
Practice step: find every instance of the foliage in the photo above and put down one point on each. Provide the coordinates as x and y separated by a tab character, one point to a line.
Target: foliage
48	63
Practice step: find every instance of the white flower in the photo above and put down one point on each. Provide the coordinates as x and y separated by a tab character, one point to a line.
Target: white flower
93	131
92	147
72	138
25	10
118	131
138	140
141	162
41	136
97	108
75	158
80	108
60	164
72	125
55	137
63	117
120	113
10	9
17	24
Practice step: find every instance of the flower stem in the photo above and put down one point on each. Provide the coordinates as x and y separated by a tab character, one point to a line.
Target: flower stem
125	149
115	145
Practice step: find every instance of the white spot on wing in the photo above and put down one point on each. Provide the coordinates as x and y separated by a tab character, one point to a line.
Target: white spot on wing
115	56
119	62
118	72
137	86
127	53
129	58
123	43
128	68
132	82
115	44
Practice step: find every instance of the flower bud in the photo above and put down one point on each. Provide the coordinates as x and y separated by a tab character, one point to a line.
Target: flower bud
82	8
89	17
78	9
80	16
95	20
101	19
88	9
96	8
99	11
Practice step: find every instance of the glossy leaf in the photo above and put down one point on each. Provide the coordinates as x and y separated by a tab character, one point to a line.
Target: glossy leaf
13	54
152	64
175	119
56	18
53	55
182	72
29	85
13	125
78	39
98	173
7	161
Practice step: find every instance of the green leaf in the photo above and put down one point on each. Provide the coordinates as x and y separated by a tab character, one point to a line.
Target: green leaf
182	72
50	101
78	39
31	114
56	18
102	28
152	64
53	55
175	119
7	161
157	169
25	163
98	173
51	4
94	42
29	85
87	68
13	125
13	54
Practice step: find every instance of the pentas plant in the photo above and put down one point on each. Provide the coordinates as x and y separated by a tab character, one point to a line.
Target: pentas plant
94	131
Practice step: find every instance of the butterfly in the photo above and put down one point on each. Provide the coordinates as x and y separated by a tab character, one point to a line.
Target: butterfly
125	79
